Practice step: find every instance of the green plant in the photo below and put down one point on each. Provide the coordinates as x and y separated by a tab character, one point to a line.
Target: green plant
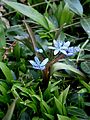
56	84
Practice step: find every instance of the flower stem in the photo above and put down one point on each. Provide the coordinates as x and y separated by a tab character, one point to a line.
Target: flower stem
46	71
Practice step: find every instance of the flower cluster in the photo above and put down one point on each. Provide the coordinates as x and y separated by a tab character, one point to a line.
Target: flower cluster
59	47
63	47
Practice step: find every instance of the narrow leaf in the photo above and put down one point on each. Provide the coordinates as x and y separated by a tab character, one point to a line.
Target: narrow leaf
10	111
66	16
2	35
63	95
60	117
51	117
58	105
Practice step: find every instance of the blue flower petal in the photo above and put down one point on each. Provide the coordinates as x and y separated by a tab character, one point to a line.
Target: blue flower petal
55	43
42	67
70	54
63	51
77	49
33	63
38	67
60	43
37	60
44	62
38	50
70	49
56	51
51	47
66	44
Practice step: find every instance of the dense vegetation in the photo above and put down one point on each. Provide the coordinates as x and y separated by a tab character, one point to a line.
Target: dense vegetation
44	59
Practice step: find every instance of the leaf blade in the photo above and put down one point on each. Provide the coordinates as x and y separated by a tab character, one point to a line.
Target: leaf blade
58	66
75	6
29	12
6	72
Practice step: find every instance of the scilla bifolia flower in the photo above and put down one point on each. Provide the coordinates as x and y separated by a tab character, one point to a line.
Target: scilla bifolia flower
63	47
59	46
38	50
72	50
37	64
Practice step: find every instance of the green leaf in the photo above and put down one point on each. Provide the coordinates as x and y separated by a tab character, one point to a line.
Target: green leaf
3	90
6	71
2	35
1	114
86	85
45	107
85	66
63	95
86	1
75	6
10	111
86	25
58	105
59	66
77	112
4	99
50	24
62	99
60	117
25	116
16	51
37	118
51	117
29	12
30	104
66	16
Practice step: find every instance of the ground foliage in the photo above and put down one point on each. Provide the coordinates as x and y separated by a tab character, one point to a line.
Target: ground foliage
44	59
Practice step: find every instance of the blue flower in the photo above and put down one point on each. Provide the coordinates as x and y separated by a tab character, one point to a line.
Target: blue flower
72	50
38	50
37	64
64	48
60	46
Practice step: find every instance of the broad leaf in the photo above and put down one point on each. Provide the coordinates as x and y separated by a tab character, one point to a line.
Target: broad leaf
29	12
59	66
45	107
60	117
85	66
6	71
58	105
75	6
63	95
77	112
86	25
